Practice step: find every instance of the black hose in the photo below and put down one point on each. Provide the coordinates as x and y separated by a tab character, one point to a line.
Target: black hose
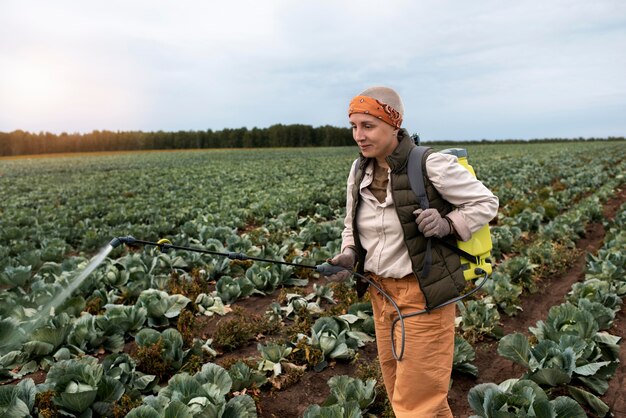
423	311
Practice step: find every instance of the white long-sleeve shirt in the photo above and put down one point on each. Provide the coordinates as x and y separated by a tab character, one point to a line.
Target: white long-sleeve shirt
380	231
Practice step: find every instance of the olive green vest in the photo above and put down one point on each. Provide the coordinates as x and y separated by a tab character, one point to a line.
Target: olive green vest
445	280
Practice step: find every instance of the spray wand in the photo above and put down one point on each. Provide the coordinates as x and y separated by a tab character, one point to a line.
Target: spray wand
164	245
325	269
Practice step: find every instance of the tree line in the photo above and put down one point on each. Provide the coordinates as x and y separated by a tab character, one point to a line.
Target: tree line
26	143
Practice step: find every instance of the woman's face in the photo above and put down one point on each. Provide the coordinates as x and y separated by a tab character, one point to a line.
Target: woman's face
375	138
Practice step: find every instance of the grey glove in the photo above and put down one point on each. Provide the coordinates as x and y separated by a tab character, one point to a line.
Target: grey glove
431	224
346	259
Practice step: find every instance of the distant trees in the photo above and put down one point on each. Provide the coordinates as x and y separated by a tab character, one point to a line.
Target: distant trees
24	143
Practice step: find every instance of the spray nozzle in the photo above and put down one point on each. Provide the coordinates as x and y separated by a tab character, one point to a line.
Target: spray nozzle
117	241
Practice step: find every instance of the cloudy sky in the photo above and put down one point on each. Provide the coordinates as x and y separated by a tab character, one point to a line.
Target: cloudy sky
466	70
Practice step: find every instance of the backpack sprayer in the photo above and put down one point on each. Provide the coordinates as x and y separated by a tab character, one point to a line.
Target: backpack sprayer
325	269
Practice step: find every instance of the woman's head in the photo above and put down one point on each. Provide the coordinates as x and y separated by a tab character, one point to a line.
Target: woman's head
376	116
385	95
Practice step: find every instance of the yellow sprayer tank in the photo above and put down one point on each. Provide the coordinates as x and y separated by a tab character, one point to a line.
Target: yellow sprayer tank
479	244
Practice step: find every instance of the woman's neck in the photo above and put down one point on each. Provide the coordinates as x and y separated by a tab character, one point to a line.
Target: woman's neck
382	162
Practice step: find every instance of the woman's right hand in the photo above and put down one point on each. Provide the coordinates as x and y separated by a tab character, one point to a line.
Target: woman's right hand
346	259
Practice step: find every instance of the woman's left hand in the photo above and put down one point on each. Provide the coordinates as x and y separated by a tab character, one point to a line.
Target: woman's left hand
431	223
346	260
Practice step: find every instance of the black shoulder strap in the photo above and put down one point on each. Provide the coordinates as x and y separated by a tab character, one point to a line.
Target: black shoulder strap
416	175
416	181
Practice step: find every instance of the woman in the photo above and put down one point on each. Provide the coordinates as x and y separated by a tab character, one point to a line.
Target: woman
386	236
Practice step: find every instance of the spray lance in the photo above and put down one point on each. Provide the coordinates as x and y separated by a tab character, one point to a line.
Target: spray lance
164	245
325	269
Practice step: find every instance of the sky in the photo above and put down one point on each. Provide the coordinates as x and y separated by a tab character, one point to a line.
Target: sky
466	70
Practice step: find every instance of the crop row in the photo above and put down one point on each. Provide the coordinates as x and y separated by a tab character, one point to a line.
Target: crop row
571	350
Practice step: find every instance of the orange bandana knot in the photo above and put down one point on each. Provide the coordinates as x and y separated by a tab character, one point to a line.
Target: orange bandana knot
370	106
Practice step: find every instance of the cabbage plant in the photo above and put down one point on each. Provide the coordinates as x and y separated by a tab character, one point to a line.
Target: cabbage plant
263	279
346	388
244	377
160	306
17	276
17	401
599	291
131	269
10	363
520	398
210	304
503	238
81	387
503	292
571	362
272	356
121	367
520	270
200	395
286	275
464	354
275	313
602	314
11	335
565	319
295	303
321	292
332	336
90	333
479	317
349	397
171	344
346	410
529	219
361	318
609	264
126	319
165	263
46	341
230	289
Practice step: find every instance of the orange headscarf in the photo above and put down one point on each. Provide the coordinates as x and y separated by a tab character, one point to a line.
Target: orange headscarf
380	110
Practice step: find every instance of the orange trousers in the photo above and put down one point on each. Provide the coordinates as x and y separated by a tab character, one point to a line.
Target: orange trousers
417	385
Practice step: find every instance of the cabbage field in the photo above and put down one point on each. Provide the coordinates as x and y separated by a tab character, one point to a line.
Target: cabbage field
87	330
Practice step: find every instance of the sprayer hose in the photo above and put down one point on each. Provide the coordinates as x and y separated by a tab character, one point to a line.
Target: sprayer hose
401	317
